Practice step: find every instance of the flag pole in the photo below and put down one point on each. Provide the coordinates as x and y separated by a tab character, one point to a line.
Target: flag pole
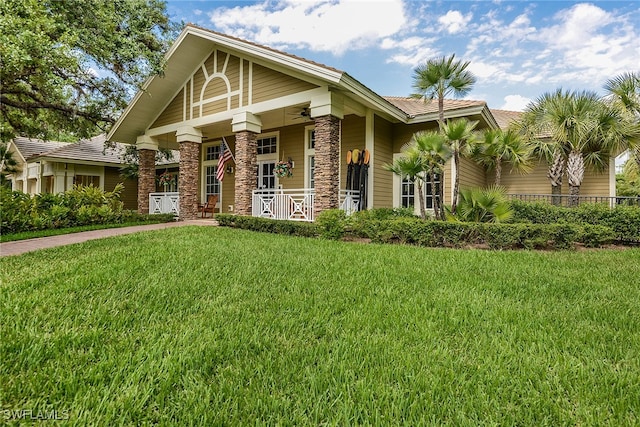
229	147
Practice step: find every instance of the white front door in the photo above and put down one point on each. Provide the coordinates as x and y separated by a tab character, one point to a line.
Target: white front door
266	175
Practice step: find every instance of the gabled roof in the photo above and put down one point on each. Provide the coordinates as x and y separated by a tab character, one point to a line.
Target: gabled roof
28	147
505	117
416	107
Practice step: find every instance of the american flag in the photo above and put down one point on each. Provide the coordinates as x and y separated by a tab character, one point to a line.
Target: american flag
225	156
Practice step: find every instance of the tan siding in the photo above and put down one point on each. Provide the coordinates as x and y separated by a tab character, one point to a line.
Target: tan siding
536	182
269	84
173	112
383	148
214	107
129	196
403	133
471	174
245	82
291	144
198	82
353	136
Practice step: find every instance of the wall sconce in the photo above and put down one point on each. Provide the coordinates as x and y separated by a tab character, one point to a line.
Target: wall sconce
229	169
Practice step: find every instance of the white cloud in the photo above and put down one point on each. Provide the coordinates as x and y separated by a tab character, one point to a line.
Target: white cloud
454	21
515	103
320	25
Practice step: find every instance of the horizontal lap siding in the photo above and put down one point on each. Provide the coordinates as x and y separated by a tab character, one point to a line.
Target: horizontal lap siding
353	136
173	113
291	144
269	84
129	196
383	147
536	182
471	174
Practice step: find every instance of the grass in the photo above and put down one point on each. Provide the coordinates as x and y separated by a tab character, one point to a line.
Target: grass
11	237
215	326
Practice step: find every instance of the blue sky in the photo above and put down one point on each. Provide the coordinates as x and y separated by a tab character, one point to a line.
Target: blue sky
518	50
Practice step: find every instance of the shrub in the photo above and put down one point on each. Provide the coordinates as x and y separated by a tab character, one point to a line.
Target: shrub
483	205
331	224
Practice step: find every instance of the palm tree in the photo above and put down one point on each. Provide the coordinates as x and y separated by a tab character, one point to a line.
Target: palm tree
584	131
460	135
624	90
499	147
441	77
484	205
435	151
411	166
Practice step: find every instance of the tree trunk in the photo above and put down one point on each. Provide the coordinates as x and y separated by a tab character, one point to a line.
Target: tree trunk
441	110
456	183
555	173
434	196
423	214
498	171
575	175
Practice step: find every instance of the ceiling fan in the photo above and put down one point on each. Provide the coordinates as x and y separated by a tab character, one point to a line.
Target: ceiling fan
304	114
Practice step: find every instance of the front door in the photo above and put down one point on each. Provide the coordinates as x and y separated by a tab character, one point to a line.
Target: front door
266	175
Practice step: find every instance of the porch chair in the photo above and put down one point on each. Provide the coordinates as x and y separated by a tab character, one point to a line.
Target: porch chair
210	206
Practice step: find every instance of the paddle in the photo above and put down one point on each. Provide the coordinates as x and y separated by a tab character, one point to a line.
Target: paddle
349	170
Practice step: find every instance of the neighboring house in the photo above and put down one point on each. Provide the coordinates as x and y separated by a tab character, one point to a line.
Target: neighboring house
270	106
54	167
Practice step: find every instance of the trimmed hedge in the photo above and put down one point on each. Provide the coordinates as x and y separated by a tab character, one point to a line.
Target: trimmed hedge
496	236
414	231
623	220
266	225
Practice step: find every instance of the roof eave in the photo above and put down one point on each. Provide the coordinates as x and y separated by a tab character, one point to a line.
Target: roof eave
451	114
372	99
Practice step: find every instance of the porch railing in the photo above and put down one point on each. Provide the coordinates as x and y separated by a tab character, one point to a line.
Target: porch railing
160	203
569	200
296	205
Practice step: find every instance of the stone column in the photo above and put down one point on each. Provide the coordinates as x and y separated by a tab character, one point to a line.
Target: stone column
245	177
147	148
246	126
327	163
189	139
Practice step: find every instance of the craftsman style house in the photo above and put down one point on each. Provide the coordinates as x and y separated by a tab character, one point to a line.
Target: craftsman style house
269	107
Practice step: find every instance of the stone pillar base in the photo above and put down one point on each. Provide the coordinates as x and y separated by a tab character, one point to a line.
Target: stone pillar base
327	163
146	178
246	164
188	179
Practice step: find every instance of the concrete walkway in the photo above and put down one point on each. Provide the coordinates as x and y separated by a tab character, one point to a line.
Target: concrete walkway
22	246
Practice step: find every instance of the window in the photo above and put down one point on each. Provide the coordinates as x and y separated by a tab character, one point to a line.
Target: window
310	157
87	180
211	154
407	196
428	194
267	145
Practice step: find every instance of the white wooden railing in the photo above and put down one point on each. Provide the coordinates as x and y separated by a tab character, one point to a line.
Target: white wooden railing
160	203
296	205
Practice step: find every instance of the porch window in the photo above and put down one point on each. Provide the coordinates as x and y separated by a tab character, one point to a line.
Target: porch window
211	186
267	145
310	157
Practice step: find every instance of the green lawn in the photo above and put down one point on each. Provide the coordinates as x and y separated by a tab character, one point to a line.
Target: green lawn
214	326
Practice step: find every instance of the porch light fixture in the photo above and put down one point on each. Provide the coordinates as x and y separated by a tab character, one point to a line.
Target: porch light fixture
229	169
